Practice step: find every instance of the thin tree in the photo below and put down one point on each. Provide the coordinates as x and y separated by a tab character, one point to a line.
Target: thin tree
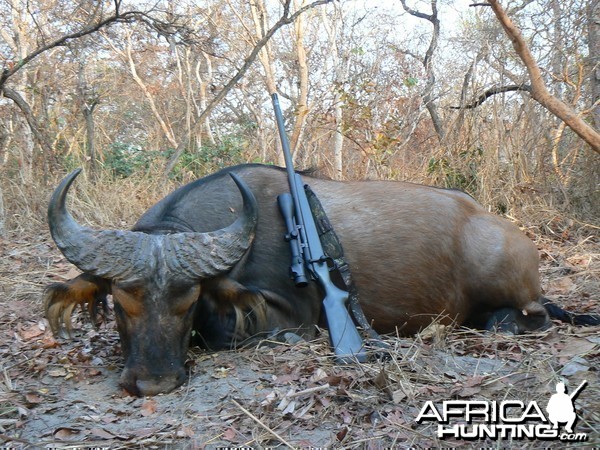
427	94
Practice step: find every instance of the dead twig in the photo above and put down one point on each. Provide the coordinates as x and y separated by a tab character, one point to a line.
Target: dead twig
259	422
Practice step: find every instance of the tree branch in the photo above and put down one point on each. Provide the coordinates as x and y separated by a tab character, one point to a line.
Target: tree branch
493	91
539	92
427	94
116	17
29	116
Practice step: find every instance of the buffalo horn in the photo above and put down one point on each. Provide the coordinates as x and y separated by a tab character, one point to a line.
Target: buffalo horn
129	255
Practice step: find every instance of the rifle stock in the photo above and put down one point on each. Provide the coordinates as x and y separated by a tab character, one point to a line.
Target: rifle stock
343	334
304	238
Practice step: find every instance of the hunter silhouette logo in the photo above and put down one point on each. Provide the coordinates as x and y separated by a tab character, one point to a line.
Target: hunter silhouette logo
560	407
507	419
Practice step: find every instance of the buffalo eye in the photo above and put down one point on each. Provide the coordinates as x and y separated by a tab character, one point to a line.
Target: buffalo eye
129	298
184	298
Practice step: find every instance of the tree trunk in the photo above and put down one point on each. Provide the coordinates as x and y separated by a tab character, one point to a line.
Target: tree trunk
340	65
260	19
302	103
593	19
428	97
88	102
90	139
29	117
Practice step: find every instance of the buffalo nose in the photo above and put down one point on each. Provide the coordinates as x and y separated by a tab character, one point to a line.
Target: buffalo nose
152	385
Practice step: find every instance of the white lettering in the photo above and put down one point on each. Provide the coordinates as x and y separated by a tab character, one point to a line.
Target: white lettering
504	407
476	409
433	415
536	414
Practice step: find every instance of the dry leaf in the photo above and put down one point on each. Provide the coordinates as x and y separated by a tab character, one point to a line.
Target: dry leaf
577	364
148	407
221	372
475	380
318	375
382	382
31	332
102	433
398	396
342	434
468	391
575	347
303	412
57	372
185	431
230	434
290	408
144	432
33	398
65	433
324	401
562	285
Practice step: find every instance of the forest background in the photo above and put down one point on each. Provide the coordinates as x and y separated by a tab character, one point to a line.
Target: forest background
147	95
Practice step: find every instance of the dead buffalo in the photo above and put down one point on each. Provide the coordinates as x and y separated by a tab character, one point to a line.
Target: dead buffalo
211	257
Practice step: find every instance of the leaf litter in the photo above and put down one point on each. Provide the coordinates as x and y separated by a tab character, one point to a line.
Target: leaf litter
57	393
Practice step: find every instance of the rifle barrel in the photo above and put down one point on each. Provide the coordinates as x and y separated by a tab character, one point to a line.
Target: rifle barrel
285	144
576	391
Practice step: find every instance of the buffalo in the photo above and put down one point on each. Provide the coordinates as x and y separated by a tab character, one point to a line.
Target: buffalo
209	263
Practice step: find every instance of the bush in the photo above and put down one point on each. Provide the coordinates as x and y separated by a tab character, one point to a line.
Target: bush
209	158
124	159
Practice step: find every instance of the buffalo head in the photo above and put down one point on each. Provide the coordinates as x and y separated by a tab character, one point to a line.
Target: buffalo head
155	281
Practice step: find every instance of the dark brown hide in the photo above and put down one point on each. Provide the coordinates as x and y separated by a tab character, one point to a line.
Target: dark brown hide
417	254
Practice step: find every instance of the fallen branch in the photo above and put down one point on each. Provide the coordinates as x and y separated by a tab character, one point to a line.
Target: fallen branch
258	421
311	390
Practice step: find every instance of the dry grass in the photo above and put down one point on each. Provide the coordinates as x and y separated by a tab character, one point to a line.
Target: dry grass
106	202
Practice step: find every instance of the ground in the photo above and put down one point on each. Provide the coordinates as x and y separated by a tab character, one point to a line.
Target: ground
65	394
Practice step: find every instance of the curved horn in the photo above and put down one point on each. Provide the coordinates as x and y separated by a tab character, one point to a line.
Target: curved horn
130	255
202	255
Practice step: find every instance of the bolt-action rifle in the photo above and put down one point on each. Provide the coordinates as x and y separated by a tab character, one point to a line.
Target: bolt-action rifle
309	259
578	390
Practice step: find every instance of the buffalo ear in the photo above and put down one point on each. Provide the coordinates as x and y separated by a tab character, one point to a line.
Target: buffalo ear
60	299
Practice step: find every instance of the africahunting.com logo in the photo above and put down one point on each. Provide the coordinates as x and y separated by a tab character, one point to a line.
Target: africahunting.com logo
507	419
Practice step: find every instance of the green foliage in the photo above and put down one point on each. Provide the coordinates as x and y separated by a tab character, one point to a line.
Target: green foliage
124	159
210	157
411	82
458	173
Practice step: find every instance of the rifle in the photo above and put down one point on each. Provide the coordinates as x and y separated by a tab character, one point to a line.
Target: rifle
308	256
578	390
